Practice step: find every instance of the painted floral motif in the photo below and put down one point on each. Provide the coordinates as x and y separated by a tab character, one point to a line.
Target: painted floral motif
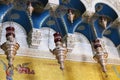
24	69
21	68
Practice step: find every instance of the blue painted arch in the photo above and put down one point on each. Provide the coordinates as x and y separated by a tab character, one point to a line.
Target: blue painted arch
3	9
113	35
21	18
104	9
86	30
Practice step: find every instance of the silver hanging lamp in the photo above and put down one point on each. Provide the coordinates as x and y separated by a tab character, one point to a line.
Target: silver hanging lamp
101	55
10	47
59	51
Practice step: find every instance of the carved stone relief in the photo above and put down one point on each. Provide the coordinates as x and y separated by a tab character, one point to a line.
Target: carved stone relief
70	42
34	38
46	39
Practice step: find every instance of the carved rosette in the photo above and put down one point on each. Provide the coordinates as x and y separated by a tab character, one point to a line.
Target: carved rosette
10	46
101	55
59	51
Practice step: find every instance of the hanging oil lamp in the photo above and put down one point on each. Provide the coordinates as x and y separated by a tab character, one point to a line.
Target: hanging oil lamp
30	8
101	55
59	51
10	46
71	15
103	21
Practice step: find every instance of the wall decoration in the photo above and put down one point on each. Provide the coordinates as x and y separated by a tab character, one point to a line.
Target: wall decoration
47	68
65	1
81	28
15	16
50	22
24	69
20	68
73	70
8	71
99	8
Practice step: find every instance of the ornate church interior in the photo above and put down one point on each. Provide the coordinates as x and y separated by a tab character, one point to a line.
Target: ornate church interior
59	40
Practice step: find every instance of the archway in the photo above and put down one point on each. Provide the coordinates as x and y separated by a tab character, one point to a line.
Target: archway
19	32
110	48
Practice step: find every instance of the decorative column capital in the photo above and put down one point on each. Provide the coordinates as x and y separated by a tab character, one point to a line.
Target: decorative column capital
87	16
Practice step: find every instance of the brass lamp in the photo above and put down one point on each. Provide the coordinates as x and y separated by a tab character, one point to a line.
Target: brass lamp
100	56
10	46
59	51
